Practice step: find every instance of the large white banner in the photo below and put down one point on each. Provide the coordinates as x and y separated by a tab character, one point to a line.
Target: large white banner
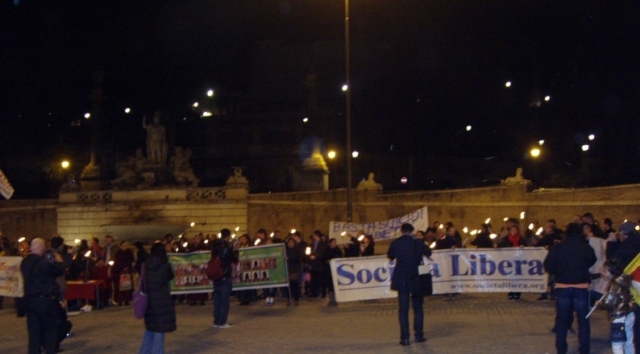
11	282
6	190
380	230
454	271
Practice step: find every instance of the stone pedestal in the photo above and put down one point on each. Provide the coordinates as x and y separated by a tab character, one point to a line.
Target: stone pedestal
90	178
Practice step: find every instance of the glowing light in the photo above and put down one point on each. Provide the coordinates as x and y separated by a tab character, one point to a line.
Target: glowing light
127	110
432	245
237	228
77	241
272	234
195	105
361	238
531	226
193	224
179	236
539	232
637	227
547	98
522	215
487	221
473	232
185	244
493	236
293	231
307	251
206	241
505	218
22	238
305	119
468	128
345	87
507	84
585	147
87	115
219	235
441	226
343	233
355	154
206	114
403	180
111	262
88	254
210	93
465	230
257	242
591	136
541	142
176	251
535	152
331	154
233	235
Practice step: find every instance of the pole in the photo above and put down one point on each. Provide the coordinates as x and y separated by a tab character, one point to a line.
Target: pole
348	98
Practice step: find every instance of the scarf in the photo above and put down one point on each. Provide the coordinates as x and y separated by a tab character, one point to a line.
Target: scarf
514	239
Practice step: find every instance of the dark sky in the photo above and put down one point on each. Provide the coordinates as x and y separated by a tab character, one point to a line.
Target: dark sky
422	70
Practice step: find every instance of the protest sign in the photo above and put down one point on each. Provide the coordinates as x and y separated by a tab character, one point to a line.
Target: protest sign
11	281
257	268
190	273
454	271
380	230
6	190
261	267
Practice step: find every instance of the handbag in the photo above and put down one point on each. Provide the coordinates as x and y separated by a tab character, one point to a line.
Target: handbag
125	282
139	298
618	333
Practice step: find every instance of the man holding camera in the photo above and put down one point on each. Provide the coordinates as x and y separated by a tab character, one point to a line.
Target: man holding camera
40	271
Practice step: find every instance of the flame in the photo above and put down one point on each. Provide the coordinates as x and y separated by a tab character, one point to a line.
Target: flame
308	251
257	242
539	232
465	230
493	236
487	221
522	215
473	232
432	245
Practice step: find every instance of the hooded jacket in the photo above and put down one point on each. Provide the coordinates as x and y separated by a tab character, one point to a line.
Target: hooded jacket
161	314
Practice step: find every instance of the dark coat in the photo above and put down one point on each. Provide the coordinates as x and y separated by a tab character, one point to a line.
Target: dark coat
483	240
570	260
161	313
317	264
352	249
627	250
407	253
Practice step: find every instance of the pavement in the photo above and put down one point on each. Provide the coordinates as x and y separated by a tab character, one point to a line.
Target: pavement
474	323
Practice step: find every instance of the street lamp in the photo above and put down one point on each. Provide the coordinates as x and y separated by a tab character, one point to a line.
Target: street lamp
355	154
331	154
210	93
127	110
507	84
585	147
535	152
65	164
347	89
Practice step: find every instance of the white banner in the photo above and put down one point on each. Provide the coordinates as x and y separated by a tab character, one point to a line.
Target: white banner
454	271
11	282
380	230
6	190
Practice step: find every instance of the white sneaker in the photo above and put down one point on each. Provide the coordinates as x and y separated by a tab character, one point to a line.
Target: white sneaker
226	325
271	301
266	300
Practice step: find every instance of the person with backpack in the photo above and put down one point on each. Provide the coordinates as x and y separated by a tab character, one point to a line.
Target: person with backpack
222	256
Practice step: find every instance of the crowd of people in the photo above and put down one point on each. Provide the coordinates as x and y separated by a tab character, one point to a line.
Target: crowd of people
605	257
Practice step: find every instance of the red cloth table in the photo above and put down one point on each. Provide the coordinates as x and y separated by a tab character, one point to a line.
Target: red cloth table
79	290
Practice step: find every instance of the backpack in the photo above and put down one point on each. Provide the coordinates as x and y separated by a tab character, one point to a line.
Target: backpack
215	271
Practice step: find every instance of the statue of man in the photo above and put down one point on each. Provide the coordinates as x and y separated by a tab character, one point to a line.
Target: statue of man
156	141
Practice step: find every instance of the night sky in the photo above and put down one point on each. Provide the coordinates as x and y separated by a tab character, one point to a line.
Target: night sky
422	71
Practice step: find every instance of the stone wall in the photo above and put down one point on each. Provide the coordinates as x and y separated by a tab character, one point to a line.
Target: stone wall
28	218
464	207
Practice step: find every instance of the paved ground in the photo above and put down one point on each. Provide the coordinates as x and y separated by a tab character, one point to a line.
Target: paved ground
476	323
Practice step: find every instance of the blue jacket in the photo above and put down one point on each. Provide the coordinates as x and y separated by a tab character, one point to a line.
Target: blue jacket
407	253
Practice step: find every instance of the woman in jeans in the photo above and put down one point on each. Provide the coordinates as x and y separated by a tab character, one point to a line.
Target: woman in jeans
160	316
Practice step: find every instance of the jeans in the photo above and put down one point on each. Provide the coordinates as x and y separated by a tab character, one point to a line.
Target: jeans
221	300
625	347
152	343
403	316
569	300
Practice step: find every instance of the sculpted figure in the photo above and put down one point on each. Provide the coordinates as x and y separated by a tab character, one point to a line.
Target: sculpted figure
517	179
156	141
369	184
182	170
129	169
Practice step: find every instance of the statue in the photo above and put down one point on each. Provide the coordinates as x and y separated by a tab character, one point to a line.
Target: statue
369	184
181	168
237	180
70	185
156	141
129	170
517	179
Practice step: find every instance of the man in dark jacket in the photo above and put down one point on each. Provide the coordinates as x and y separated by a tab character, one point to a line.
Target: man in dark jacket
222	286
408	253
316	264
40	271
569	262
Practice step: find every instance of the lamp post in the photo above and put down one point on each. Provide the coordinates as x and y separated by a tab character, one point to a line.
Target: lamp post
348	103
535	154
